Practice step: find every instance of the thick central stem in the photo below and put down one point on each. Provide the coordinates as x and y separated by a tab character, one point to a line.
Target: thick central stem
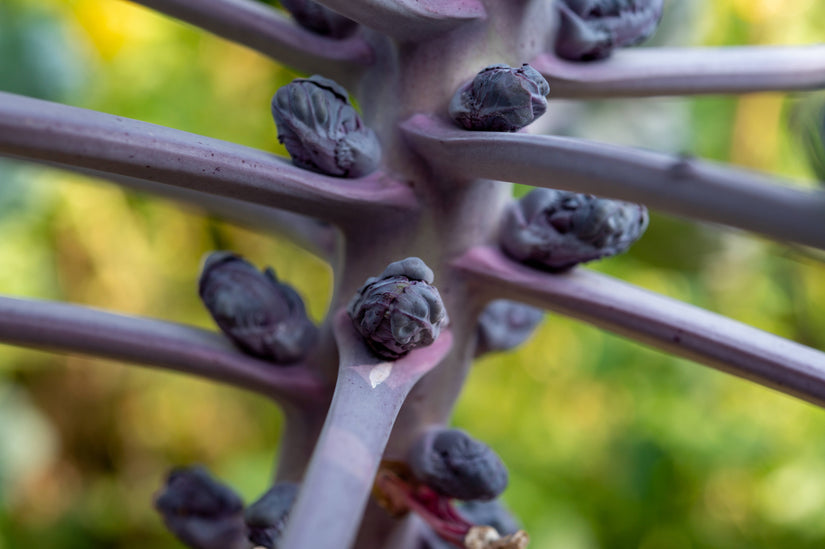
455	214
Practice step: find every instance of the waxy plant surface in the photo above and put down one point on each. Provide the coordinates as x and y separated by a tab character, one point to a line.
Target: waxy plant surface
405	134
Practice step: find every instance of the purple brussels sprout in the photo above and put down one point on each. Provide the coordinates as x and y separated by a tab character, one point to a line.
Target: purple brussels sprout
591	29
321	130
399	310
319	19
266	518
500	99
505	324
201	512
457	466
556	230
262	316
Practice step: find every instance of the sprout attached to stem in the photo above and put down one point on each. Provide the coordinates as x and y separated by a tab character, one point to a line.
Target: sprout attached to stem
399	310
591	29
267	517
506	324
201	512
262	316
321	130
556	230
500	99
319	19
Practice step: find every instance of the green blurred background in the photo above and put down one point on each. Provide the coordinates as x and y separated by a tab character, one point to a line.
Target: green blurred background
609	444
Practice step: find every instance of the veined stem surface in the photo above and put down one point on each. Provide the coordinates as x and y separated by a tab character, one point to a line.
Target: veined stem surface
647	72
58	135
661	322
263	29
368	394
74	329
685	187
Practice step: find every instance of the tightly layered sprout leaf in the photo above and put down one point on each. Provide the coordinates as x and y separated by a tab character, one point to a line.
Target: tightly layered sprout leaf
319	19
500	99
399	310
456	465
201	512
267	517
592	29
262	316
322	131
506	324
556	230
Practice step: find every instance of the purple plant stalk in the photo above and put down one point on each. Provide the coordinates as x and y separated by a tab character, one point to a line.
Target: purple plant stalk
346	409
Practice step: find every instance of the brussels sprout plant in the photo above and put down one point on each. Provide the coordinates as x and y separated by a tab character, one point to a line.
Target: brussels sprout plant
408	193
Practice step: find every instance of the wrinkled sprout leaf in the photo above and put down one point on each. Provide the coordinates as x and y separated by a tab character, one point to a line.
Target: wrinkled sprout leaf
322	131
399	310
263	316
592	29
556	230
500	99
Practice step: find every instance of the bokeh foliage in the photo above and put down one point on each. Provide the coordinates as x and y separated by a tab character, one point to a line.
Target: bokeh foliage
610	444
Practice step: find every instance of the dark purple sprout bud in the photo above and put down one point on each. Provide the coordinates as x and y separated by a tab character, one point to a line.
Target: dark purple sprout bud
267	517
591	29
201	512
319	19
262	316
457	466
500	99
556	230
505	324
321	130
399	310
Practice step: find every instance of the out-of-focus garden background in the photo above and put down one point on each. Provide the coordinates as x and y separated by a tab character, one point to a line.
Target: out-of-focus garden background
609	444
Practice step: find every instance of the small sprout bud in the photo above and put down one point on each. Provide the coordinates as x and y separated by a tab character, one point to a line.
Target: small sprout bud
262	316
556	229
200	511
321	130
457	466
267	517
505	324
399	310
500	99
319	19
591	29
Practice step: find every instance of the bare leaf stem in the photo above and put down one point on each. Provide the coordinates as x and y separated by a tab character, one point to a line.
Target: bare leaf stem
263	29
661	322
682	186
74	138
68	328
646	72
